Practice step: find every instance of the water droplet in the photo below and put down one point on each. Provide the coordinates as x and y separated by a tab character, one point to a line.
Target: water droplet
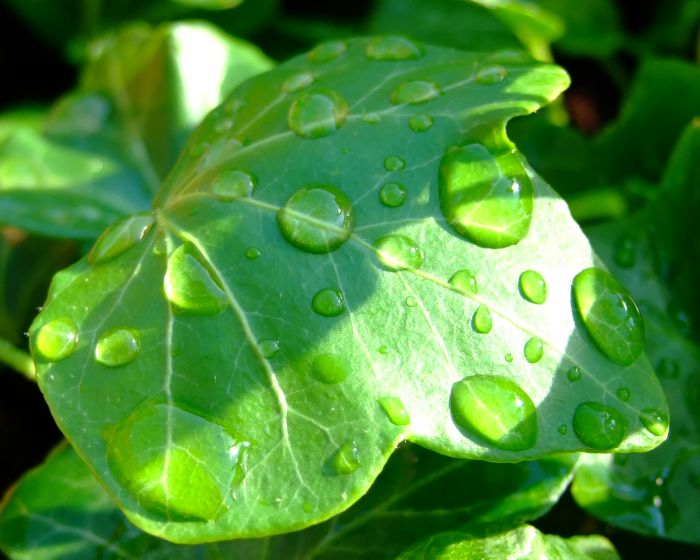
625	252
599	426
383	350
410	302
120	236
464	282
533	350
610	315
495	410
189	285
347	459
298	81
486	197
668	368
395	410
562	429
392	195
623	393
269	347
532	287
415	92
392	47
233	184
330	368
481	320
328	302
328	51
491	75
308	507
56	339
117	347
317	113
510	57
398	252
371	118
317	219
420	122
509	358
394	163
573	373
252	253
655	421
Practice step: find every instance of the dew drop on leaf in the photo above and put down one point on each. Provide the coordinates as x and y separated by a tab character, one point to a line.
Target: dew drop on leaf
562	429
598	426
328	51
491	75
394	163
252	253
371	118
420	122
509	358
316	219
120	236
610	315
295	82
495	410
482	322
398	252
393	47
573	373
415	92
486	198
410	302
347	459
330	368
668	368
532	287
625	252
464	281
654	421
269	347
533	350
189	285
328	302
395	410
117	347
233	184
318	113
392	195
623	393
56	340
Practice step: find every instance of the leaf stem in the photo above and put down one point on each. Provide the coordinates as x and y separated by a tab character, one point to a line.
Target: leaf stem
17	359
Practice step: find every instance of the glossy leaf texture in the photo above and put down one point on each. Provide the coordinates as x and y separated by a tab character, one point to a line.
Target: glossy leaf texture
418	494
657	493
523	543
106	148
284	327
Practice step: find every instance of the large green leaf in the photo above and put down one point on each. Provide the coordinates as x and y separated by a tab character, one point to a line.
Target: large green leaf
244	360
418	494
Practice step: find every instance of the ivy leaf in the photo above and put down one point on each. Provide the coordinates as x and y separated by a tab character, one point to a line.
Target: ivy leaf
418	494
367	259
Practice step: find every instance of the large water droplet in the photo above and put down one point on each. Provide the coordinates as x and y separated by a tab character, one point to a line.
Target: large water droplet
532	286
318	113
56	339
330	368
392	195
398	252
394	163
117	347
491	75
233	184
486	197
328	51
464	281
189	285
482	322
655	421
420	122
392	47
295	82
347	459
395	410
533	350
599	426
494	410
610	315
317	219
269	347
328	302
415	92
120	236
573	373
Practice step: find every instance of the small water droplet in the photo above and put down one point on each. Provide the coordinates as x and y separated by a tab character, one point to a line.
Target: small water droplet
562	429
668	368
330	368
573	373
222	126
317	219
415	92
599	426
655	421
317	113
308	507
410	302
233	184
189	285
623	393
269	347
394	163
609	315
371	118
120	236
482	322
295	82
625	252
533	350
509	357
532	287
510	57
117	347
56	340
347	459
393	195
486	197
398	252
420	122
395	410
198	148
392	47
491	75
464	281
495	410
383	350
328	51
252	253
328	302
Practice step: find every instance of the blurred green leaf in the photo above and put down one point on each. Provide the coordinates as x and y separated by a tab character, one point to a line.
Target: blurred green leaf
209	4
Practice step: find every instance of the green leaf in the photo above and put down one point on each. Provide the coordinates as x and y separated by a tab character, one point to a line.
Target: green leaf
209	4
522	543
276	303
419	493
